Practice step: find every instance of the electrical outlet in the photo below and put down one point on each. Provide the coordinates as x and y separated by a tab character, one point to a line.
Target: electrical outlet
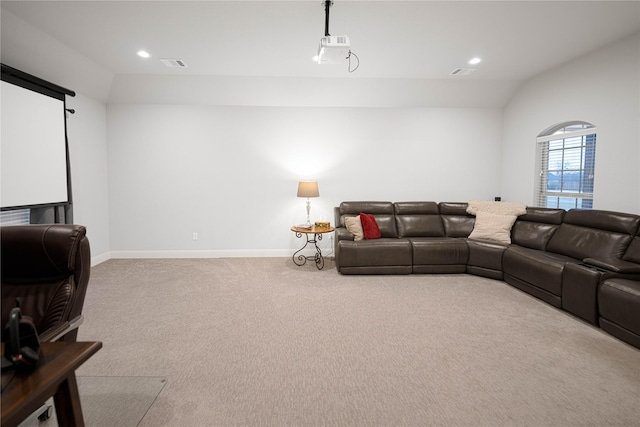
195	236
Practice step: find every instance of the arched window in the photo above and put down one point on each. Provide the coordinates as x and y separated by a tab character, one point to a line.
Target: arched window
566	164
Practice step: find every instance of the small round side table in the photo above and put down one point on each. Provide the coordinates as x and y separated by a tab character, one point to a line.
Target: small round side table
313	235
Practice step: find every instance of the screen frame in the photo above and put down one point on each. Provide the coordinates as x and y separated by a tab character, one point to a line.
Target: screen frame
27	81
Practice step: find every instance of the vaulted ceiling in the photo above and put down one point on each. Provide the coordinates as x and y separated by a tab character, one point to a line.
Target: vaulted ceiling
419	42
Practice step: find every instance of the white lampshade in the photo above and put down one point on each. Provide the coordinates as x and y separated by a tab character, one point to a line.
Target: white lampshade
308	189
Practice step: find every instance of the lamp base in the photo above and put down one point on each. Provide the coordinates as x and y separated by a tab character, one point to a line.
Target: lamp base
308	212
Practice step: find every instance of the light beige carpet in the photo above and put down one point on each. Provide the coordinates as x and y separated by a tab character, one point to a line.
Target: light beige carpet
262	342
114	401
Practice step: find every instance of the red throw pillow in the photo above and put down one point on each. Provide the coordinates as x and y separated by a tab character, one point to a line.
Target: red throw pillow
369	226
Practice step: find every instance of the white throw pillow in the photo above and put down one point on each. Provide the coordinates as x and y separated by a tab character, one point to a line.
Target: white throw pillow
490	226
354	226
502	208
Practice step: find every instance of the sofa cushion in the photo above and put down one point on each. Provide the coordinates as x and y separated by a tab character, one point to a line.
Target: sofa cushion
369	226
382	208
543	215
619	302
453	208
418	219
495	227
378	252
538	268
633	251
486	254
586	233
382	211
354	226
532	235
439	251
617	222
582	242
455	219
535	228
416	208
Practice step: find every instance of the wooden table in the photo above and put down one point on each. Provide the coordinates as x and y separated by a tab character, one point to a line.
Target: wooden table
313	235
55	376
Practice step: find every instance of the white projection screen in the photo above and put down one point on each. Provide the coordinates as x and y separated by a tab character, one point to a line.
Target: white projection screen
32	148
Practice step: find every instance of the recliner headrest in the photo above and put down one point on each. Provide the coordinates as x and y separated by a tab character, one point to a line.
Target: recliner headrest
38	251
617	222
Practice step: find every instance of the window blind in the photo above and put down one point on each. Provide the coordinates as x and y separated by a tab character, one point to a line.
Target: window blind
15	217
566	165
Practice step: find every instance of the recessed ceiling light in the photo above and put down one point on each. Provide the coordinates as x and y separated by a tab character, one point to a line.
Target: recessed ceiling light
474	61
144	54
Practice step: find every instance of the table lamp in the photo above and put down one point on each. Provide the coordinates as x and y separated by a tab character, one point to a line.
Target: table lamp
308	189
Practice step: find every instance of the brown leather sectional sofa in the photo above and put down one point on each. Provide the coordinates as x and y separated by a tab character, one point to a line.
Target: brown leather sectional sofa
586	262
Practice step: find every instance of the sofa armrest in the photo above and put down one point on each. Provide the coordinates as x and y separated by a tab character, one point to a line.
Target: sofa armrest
614	265
343	234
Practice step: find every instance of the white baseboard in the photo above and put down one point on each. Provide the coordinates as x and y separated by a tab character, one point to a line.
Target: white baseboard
229	253
221	253
99	259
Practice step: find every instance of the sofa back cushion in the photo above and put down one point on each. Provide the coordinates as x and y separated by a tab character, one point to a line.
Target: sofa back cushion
418	219
588	233
455	219
633	251
535	228
383	212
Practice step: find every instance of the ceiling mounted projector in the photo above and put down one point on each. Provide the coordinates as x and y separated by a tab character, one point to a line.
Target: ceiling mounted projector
333	49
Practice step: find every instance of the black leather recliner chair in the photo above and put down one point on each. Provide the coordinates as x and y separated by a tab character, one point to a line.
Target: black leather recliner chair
45	269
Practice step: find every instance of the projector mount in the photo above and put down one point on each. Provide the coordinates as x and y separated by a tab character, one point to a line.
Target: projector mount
327	5
334	49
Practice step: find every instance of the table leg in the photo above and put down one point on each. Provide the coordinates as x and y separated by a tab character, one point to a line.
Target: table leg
67	402
317	257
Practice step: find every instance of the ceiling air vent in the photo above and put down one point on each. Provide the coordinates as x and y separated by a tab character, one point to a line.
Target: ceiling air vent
462	71
174	63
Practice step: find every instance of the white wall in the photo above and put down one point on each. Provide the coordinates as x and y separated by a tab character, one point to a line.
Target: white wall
87	133
230	173
602	88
